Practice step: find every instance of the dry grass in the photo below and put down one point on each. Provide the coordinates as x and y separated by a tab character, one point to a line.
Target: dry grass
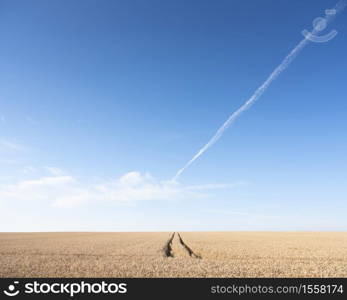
203	254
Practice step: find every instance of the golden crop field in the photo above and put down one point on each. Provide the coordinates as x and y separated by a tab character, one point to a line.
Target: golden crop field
162	254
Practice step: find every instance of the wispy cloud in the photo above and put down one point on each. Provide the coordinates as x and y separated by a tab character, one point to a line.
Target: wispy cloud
31	120
213	186
8	161
66	191
238	213
28	170
41	189
55	171
6	144
2	119
45	182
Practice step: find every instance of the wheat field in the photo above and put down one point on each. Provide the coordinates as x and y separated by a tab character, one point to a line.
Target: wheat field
167	254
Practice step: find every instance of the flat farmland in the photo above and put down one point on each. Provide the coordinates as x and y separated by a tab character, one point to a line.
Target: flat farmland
168	254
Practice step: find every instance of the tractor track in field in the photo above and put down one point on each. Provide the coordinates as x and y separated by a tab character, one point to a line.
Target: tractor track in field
188	249
168	247
169	251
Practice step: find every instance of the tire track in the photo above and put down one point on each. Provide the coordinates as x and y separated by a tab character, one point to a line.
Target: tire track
188	249
168	247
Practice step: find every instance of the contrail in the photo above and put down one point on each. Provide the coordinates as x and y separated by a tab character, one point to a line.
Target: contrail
277	71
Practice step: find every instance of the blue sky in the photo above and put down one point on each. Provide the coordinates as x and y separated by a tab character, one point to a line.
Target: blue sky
101	102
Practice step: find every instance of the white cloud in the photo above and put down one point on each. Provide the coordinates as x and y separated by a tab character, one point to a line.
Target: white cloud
214	186
28	170
44	188
31	120
134	186
46	182
243	214
10	145
8	161
66	191
55	171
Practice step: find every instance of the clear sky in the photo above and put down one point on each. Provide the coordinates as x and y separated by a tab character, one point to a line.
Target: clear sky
102	102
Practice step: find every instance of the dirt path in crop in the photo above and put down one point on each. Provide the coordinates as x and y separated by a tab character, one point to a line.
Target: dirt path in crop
187	248
176	247
168	247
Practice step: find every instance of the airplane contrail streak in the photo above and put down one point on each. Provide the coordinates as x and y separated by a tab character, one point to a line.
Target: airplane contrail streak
277	71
